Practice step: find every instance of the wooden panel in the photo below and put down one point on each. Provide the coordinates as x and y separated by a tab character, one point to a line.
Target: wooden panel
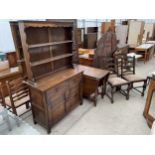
42	42
39	116
86	61
61	34
36	35
90	86
37	54
57	91
36	97
12	58
8	75
40	70
107	25
49	50
62	49
90	40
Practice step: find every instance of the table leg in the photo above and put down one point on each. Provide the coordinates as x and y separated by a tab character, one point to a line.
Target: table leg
145	56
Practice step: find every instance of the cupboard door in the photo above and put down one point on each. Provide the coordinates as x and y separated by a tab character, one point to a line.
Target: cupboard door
74	97
56	102
58	109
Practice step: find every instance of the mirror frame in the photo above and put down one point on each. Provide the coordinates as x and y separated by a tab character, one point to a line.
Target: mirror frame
150	119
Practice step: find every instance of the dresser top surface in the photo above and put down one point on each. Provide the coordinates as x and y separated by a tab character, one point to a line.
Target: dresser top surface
92	72
52	80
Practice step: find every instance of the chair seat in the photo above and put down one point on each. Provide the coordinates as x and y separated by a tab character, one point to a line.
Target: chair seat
17	103
112	76
133	78
116	81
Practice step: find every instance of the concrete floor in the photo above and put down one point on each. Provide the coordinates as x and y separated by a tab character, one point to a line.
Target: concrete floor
121	118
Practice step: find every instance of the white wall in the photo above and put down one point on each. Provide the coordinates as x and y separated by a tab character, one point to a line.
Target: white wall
6	40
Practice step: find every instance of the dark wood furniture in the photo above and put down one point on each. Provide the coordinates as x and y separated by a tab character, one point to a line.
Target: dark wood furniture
49	52
115	81
8	75
152	42
18	46
90	40
128	73
1	96
149	110
87	58
93	79
107	25
80	37
12	58
90	37
145	50
18	95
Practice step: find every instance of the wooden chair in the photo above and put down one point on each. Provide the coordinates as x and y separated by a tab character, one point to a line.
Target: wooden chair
1	96
18	95
128	73
115	81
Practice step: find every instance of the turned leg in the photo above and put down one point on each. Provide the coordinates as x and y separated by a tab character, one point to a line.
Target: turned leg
27	106
14	111
48	129
128	90
131	86
95	97
103	89
112	94
81	103
144	87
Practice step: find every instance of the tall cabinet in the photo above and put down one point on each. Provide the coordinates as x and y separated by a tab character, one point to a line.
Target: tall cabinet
49	51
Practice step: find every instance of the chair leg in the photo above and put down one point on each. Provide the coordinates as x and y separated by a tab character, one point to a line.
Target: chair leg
27	105
128	91
144	87
112	94
103	89
14	111
95	98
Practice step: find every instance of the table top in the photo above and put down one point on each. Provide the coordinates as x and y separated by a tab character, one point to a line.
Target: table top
144	46
150	42
9	72
92	72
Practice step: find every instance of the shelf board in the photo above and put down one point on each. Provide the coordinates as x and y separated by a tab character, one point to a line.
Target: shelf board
50	44
50	60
